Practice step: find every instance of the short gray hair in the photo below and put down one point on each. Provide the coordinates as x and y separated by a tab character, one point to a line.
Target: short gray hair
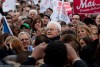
57	24
22	33
34	11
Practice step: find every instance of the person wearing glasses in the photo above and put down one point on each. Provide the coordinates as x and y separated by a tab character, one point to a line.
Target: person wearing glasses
53	30
76	18
26	40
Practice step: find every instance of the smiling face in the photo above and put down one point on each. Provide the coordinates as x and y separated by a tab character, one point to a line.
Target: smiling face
82	32
25	40
98	20
52	31
94	29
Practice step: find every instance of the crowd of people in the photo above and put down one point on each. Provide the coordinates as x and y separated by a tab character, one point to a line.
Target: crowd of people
37	41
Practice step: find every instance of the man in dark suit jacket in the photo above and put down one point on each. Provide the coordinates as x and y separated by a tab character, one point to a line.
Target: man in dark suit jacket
55	55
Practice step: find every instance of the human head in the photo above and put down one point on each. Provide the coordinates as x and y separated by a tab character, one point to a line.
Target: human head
64	26
72	39
46	19
15	43
86	41
33	13
98	20
25	27
27	9
39	39
83	30
25	39
72	26
94	30
76	18
69	31
29	21
15	30
56	54
37	23
53	29
49	11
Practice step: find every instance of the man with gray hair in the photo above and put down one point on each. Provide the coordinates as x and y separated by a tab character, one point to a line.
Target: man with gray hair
26	40
53	30
33	13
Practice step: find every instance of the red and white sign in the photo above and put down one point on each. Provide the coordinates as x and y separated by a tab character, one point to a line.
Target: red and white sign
86	6
66	7
62	11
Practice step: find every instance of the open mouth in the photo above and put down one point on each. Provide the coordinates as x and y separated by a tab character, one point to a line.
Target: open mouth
49	34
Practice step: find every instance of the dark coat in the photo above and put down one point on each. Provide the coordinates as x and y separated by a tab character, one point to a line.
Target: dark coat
32	61
80	63
55	38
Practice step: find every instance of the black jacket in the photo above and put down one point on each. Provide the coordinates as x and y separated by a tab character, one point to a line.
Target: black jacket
55	38
32	61
80	63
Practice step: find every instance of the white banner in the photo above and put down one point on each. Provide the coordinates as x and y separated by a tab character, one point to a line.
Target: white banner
65	7
44	5
53	3
61	12
35	2
70	0
55	15
9	5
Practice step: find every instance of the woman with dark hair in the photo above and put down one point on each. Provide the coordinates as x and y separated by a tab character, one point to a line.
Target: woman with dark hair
37	26
86	41
70	38
39	39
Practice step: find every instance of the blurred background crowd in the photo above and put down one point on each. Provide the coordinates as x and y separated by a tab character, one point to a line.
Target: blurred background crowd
37	40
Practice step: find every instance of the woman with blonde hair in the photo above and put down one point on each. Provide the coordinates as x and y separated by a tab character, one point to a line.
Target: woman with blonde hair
94	29
15	44
83	30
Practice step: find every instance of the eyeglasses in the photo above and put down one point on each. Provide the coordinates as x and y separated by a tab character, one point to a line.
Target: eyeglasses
50	29
75	19
24	39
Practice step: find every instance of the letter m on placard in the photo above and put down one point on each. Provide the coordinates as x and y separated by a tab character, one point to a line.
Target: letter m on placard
82	4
